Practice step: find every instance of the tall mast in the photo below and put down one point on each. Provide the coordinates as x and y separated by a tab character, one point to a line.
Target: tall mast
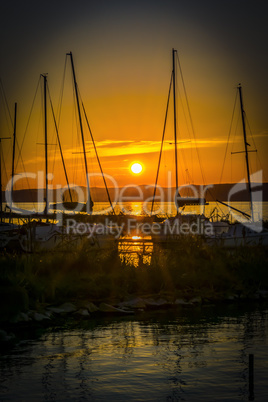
162	142
246	147
1	207
61	153
1	199
13	153
82	133
45	126
175	119
98	159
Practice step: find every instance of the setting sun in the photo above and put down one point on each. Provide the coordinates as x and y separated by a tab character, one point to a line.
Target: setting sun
136	168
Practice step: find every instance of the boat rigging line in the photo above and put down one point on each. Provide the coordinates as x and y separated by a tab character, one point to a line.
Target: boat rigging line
1	200
13	154
191	120
97	156
28	121
162	142
246	147
175	118
179	199
45	132
78	97
6	103
245	151
61	153
257	154
89	209
228	139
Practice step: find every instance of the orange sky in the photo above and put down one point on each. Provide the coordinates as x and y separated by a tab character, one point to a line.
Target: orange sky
123	64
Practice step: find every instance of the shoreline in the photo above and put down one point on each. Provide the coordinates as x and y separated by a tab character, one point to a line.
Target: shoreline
41	288
69	316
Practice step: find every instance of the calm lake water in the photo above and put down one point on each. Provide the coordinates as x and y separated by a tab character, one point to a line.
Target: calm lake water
168	208
191	354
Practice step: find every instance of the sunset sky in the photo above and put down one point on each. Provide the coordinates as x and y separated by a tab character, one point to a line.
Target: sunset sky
123	61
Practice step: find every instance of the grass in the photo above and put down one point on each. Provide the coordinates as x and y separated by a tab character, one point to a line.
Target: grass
185	271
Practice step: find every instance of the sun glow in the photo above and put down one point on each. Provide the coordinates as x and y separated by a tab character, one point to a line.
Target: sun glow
136	168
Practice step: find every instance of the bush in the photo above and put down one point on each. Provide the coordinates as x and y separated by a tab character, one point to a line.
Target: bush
187	269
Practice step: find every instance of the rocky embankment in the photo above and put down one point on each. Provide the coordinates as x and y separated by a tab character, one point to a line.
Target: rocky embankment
50	315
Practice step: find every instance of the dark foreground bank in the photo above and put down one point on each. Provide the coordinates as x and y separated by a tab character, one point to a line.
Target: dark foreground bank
87	283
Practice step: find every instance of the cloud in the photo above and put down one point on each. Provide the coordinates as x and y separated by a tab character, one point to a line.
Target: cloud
112	143
114	148
140	146
262	134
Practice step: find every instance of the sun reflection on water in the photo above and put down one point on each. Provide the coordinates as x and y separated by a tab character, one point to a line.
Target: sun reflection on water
191	355
135	250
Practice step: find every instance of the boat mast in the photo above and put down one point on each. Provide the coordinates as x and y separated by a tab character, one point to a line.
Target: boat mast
1	208
162	142
45	126
98	159
61	153
175	119
1	199
246	147
82	133
13	153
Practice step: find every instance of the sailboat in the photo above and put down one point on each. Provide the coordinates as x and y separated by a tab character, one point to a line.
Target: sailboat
5	221
249	233
39	235
42	236
70	203
170	228
8	229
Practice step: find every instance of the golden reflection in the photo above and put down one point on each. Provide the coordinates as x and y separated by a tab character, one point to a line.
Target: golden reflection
135	250
136	237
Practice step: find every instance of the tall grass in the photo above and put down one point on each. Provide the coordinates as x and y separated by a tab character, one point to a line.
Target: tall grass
187	270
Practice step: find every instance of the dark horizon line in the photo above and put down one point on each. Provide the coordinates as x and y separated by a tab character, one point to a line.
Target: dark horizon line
143	185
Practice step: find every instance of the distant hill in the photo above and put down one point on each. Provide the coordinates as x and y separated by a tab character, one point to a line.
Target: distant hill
216	192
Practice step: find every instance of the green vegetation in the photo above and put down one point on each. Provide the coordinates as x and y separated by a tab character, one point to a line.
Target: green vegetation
186	270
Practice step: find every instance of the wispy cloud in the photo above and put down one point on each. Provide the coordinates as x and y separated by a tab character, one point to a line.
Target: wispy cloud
112	143
262	134
112	148
143	146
